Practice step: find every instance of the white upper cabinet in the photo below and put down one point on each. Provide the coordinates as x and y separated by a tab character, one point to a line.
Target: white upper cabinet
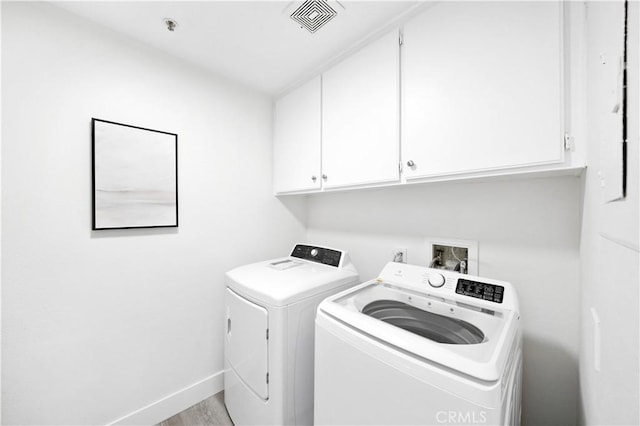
360	117
296	147
482	88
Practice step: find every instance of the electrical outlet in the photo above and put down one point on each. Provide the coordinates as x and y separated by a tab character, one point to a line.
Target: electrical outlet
454	255
597	339
399	254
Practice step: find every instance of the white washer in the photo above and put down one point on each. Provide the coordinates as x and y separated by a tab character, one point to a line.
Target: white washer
269	343
419	346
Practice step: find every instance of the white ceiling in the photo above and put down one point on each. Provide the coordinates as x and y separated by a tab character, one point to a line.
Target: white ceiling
253	42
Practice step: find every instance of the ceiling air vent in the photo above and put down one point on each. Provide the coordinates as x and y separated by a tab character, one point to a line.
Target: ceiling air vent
313	14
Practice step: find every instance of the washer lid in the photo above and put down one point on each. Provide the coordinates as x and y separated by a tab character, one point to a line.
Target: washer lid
484	337
286	280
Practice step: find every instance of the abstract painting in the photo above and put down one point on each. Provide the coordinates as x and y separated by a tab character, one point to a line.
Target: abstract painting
135	177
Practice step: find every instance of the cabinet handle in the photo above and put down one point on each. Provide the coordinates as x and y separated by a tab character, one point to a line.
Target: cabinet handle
410	163
324	177
313	178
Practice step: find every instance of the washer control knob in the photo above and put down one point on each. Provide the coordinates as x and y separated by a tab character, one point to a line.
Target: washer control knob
436	280
314	252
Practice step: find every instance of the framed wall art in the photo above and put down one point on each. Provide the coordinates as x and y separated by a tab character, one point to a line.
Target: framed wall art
135	176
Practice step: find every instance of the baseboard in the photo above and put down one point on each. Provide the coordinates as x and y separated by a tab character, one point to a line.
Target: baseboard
174	403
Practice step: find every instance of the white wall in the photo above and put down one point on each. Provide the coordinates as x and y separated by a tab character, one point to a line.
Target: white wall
0	225
97	325
528	234
610	250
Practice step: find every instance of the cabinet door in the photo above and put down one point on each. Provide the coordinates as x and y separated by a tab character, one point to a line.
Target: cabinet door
482	87
360	116
296	146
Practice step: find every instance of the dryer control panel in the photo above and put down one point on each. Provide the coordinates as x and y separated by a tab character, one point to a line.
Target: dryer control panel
317	254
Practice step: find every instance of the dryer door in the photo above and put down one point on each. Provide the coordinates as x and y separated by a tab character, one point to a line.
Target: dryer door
246	342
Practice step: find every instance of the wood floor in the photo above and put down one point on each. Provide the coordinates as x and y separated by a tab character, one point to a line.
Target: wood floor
210	412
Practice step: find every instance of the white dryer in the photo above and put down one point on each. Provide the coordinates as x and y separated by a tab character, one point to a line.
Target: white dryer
419	346
269	342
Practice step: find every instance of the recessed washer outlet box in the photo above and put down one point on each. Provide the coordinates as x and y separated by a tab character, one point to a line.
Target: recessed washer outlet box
453	254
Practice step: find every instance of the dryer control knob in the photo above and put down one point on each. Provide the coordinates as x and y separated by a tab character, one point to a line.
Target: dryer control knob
314	252
436	280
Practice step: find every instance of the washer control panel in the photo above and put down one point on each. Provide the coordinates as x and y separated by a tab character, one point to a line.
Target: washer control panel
450	285
480	290
317	254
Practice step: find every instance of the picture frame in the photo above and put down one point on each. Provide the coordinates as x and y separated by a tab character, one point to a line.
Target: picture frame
135	176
